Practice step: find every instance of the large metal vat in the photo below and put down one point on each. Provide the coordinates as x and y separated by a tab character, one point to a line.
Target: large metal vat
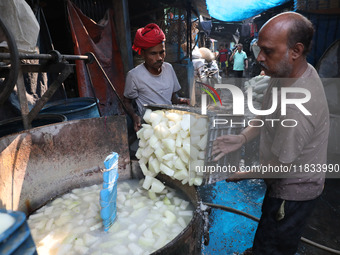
42	163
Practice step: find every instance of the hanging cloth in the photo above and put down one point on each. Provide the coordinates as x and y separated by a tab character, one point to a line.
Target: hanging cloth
100	39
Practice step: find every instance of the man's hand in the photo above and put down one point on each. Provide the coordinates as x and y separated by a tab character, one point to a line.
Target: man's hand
137	123
226	144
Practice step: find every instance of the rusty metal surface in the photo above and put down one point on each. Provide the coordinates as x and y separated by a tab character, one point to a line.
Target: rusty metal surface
41	163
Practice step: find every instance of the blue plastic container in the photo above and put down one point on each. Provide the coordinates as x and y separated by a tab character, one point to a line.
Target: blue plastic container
73	108
17	240
16	125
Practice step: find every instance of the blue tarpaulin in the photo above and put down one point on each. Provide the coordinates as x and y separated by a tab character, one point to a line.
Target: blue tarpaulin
236	10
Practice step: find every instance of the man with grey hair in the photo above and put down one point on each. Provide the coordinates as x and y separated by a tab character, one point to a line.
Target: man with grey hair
284	42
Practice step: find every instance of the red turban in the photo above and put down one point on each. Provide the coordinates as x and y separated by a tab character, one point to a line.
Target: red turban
147	37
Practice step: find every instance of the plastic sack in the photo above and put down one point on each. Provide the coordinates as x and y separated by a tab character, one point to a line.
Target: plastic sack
108	194
19	18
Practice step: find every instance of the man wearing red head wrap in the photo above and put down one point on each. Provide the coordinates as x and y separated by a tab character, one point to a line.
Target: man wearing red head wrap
147	37
154	81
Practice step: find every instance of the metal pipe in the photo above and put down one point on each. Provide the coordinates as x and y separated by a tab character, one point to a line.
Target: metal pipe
44	56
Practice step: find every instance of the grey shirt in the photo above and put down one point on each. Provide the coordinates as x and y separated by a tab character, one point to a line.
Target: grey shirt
147	88
302	145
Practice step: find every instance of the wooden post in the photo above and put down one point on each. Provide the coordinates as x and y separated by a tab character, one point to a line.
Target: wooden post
122	25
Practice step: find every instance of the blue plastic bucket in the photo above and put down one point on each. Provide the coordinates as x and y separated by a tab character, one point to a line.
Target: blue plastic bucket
74	108
17	238
16	125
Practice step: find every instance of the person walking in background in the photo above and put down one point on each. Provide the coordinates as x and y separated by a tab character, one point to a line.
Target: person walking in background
223	56
240	63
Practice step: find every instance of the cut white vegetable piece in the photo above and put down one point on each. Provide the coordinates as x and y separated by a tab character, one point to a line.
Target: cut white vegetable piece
193	153
179	164
181	175
185	122
169	163
154	166
196	165
194	140
198	181
139	153
177	201
181	222
147	115
139	133
135	249
183	133
166	201
64	249
156	145
153	141
170	218
89	239
98	225
159	153
166	170
152	195
146	171
178	141
191	181
132	237
147	151
49	224
161	131
184	205
147	182
202	144
185	181
157	186
169	145
181	153
146	126
186	148
168	156
146	242
175	128
170	194
79	241
173	116
147	133
143	160
142	143
185	213
121	249
148	233
200	127
201	155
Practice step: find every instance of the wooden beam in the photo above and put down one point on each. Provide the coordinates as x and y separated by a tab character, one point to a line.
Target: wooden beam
123	31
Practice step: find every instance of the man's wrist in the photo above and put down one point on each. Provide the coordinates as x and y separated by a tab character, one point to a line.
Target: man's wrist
244	137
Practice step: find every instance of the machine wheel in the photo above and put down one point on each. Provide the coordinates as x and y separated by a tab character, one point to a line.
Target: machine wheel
7	85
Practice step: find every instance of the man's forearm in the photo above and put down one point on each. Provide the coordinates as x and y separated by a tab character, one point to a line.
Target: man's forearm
129	107
249	133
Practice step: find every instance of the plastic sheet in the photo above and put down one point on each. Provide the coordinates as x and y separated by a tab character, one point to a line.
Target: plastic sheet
235	10
100	39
